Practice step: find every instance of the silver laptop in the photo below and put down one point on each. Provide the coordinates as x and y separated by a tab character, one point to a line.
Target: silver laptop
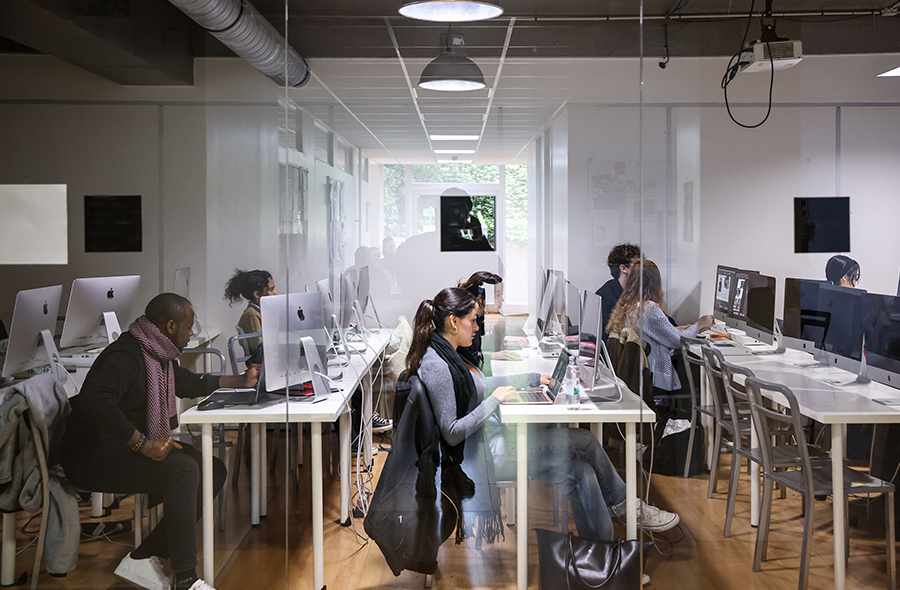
544	394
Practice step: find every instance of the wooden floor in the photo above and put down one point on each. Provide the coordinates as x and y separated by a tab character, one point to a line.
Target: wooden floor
255	557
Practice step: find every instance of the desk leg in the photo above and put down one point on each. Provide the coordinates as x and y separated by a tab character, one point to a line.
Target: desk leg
754	481
8	559
367	419
254	474
209	521
597	431
630	481
318	534
522	506
263	469
837	483
345	432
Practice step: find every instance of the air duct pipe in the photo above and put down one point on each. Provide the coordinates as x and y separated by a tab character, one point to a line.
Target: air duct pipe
241	28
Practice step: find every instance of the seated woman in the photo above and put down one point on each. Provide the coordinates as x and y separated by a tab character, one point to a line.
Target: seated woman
570	458
648	313
250	285
842	271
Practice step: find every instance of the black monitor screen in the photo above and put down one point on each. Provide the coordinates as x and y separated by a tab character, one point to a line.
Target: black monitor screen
760	302
843	306
739	296
882	329
802	318
724	283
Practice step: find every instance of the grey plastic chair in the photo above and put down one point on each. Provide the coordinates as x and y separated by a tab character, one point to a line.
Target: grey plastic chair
809	479
692	360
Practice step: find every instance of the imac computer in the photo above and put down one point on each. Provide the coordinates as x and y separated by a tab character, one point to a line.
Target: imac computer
804	325
182	284
546	307
737	315
759	307
285	320
31	332
724	291
574	304
364	293
881	322
843	338
591	317
96	308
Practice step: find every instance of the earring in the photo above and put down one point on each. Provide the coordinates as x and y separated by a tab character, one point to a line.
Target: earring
454	330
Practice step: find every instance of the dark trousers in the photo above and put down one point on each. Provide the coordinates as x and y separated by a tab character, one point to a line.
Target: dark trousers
112	467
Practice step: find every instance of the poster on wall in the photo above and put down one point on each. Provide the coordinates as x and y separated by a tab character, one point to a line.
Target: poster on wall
467	223
821	224
33	224
112	224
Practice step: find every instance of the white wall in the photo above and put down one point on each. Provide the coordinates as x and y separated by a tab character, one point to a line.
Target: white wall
204	160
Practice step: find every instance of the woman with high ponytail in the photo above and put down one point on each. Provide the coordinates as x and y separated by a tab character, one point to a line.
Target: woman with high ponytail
250	285
570	458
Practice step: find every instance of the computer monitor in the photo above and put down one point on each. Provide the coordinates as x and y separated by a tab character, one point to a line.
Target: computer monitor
349	291
737	315
843	306
285	320
546	310
182	284
362	288
760	307
574	303
591	330
97	306
804	325
881	326
324	288
724	291
35	312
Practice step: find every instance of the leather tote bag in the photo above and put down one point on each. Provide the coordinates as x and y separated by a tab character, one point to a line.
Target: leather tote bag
568	562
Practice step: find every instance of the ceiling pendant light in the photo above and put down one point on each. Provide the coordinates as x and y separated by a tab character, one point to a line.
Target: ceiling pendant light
452	71
450	11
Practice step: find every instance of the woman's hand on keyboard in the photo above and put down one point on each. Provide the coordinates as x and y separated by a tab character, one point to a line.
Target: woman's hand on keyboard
503	393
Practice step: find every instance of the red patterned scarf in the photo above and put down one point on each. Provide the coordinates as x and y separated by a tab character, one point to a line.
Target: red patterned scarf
158	352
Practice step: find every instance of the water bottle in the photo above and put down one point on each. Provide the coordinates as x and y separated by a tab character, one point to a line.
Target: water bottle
572	386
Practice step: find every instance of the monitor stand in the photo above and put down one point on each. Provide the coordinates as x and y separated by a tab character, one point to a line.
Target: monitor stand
113	331
862	377
56	366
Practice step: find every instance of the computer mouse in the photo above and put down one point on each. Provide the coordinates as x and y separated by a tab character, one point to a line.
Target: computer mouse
211	404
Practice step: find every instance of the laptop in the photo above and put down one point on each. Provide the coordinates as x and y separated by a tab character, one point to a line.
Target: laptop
544	394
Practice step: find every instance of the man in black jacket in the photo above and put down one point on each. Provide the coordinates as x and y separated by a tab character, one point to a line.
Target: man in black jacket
620	259
119	437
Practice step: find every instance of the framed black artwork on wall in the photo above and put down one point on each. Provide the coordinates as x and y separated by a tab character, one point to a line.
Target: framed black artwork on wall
112	224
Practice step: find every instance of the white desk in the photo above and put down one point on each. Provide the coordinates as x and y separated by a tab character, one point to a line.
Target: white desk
630	410
829	404
329	410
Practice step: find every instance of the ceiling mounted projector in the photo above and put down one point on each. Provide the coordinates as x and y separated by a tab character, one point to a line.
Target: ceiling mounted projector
785	54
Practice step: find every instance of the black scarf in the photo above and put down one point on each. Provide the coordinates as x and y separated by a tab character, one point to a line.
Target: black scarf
463	389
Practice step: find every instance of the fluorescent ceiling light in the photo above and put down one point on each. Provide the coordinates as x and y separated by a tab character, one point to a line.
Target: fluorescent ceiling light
890	73
454	137
450	11
454	161
454	151
452	71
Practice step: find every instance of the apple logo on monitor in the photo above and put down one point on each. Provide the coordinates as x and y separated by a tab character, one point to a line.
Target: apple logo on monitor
300	314
110	294
46	308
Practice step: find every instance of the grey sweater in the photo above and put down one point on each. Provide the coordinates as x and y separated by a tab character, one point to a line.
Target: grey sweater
435	375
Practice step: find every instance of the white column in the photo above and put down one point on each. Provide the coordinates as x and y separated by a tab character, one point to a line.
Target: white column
318	534
254	474
209	529
837	483
8	552
630	481
522	506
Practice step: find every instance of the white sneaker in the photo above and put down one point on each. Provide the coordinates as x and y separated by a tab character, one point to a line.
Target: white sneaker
645	580
201	585
146	573
650	518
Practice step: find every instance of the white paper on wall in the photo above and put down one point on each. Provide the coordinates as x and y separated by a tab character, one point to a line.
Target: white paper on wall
33	224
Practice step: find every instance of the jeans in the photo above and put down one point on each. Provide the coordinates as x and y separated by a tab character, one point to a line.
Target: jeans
573	460
112	467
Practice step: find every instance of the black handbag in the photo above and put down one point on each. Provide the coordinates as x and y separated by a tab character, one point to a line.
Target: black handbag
568	562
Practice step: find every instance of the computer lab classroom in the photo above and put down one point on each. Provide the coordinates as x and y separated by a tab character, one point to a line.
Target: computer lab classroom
367	155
